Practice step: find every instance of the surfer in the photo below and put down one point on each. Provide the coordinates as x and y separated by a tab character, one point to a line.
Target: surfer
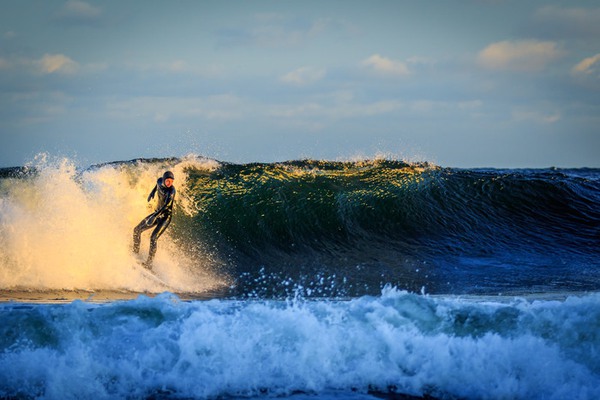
159	219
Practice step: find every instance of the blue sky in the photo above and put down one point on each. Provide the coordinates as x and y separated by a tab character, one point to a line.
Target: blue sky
457	83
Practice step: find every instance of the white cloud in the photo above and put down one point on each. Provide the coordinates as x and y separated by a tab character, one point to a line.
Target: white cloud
303	76
523	55
57	63
386	66
588	66
50	64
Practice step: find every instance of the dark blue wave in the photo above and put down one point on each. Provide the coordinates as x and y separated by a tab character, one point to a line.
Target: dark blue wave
348	228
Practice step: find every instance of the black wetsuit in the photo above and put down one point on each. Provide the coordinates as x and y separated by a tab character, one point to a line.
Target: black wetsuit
161	218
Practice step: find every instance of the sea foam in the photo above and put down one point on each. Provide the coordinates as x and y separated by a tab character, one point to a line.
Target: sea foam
65	229
446	347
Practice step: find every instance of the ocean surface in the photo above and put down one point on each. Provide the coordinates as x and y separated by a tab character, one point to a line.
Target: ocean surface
304	279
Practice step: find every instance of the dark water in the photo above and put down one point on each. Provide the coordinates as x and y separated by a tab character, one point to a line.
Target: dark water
349	228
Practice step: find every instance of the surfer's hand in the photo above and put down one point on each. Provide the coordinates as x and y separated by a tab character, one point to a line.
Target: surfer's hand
150	221
150	197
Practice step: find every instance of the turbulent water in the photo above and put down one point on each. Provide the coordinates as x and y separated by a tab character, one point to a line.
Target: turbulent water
328	279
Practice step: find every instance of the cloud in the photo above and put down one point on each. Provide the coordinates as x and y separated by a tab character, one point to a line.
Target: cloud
386	66
57	63
303	76
524	55
588	66
49	64
78	13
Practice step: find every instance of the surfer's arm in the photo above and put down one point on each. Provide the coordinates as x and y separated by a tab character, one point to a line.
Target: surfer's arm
168	203
152	193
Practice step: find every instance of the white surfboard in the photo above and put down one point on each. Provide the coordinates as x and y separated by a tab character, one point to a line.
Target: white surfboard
151	275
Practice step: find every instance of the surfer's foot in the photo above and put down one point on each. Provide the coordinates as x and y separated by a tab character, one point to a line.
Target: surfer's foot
147	265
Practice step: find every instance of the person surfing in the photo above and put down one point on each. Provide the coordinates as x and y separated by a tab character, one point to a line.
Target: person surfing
159	219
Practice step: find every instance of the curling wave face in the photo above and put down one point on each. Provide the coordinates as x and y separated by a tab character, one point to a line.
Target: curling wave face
349	228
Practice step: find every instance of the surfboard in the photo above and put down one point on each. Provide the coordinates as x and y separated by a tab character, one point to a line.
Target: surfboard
150	275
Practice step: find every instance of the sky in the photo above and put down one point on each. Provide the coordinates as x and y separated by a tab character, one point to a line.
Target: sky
488	83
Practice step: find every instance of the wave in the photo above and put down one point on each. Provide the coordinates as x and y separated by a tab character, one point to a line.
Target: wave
365	348
360	225
322	227
63	228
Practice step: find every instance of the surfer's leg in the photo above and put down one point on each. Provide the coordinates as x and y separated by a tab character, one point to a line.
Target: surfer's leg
159	230
137	232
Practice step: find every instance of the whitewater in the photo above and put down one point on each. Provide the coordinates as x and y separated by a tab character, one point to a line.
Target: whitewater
66	229
305	279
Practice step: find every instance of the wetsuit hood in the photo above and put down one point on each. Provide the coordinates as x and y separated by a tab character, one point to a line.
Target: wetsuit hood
168	175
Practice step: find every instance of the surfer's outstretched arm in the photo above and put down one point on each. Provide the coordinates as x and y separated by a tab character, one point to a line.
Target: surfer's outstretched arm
152	193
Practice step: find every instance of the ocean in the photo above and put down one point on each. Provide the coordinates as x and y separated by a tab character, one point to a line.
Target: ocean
306	279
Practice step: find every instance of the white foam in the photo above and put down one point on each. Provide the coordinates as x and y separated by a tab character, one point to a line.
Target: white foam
444	347
65	230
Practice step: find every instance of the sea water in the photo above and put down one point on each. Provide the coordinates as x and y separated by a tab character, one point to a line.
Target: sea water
398	342
305	279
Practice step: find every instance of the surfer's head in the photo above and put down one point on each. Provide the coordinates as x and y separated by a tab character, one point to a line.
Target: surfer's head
168	179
